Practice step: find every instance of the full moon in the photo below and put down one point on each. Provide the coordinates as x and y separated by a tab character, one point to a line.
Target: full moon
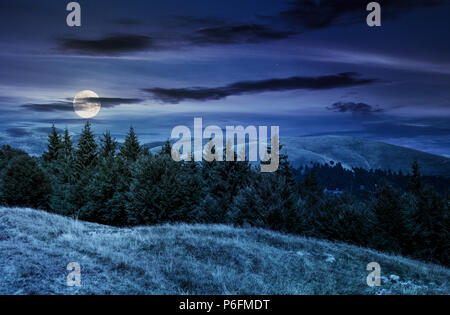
86	104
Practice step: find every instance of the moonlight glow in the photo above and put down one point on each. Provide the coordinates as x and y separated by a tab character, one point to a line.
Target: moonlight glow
86	104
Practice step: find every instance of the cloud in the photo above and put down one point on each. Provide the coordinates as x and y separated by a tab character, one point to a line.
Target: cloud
50	107
73	121
17	132
200	31
47	130
238	34
204	36
191	31
314	14
106	102
108	45
177	95
355	108
301	15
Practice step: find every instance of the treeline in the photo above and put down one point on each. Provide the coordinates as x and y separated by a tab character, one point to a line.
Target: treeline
126	185
364	183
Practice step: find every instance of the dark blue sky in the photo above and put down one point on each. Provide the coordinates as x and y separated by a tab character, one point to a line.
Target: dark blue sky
312	67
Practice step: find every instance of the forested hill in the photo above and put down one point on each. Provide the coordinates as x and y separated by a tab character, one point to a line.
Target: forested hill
129	186
361	153
364	183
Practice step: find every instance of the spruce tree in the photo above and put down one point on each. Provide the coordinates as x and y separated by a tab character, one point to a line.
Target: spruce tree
86	159
267	202
166	148
108	146
25	184
389	220
226	179
67	145
415	181
431	226
131	147
63	174
285	168
87	147
7	153
310	189
53	146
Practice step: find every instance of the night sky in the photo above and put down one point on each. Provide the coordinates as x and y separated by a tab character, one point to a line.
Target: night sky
312	67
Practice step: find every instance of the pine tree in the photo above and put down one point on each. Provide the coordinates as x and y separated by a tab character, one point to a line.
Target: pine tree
100	186
192	191
131	147
67	145
25	184
7	153
285	168
225	179
146	193
389	234
117	174
86	160
310	188
430	226
166	148
53	146
108	146
415	182
267	202
63	173
428	221
87	147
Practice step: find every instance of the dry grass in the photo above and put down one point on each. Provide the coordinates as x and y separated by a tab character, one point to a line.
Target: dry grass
36	247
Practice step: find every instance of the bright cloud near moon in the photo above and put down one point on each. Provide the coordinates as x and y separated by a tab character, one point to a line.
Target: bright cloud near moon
86	104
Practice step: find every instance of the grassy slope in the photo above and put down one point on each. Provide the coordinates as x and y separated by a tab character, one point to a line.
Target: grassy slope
35	248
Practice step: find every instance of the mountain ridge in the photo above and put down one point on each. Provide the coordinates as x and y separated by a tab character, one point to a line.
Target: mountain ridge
354	152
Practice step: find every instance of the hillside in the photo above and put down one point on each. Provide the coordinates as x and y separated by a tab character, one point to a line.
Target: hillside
355	152
36	247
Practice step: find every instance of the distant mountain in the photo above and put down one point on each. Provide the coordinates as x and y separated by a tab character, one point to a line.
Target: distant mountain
355	152
37	246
